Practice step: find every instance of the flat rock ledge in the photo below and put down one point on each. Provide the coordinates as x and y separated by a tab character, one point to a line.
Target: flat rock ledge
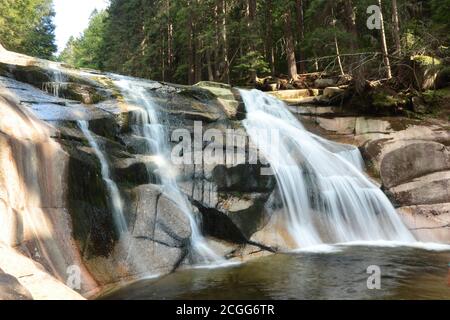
25	279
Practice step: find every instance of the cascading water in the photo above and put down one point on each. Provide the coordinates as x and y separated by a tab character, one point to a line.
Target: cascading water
59	81
326	197
113	190
348	152
148	125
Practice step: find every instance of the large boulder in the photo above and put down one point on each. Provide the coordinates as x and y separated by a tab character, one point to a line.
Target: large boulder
34	280
339	125
413	164
429	189
11	289
407	152
413	159
426	70
324	83
55	204
409	158
428	222
332	92
230	198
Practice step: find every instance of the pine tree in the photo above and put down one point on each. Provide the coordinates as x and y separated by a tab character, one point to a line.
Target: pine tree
240	41
27	26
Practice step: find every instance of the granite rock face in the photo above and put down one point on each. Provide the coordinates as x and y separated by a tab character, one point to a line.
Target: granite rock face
55	208
11	289
55	202
410	159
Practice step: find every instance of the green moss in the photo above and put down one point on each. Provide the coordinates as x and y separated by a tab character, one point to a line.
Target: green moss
433	96
211	84
3	70
386	100
444	92
426	60
109	84
198	93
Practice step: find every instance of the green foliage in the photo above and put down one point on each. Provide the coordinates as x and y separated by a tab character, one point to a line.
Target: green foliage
441	12
27	26
191	40
386	100
88	50
252	63
431	95
426	60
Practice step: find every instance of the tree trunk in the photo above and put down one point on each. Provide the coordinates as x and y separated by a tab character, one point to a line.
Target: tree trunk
163	55
350	16
198	60
191	53
395	20
351	23
217	22
301	33
384	44
198	43
336	44
251	13
251	16
209	65
338	55
170	54
224	38
270	51
290	48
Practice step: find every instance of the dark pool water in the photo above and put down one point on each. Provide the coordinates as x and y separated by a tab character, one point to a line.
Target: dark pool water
406	273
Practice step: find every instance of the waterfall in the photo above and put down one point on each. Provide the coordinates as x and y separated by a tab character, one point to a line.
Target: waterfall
326	196
59	81
148	125
114	194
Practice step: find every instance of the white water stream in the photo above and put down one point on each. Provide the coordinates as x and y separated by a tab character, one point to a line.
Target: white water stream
326	196
113	191
148	125
59	81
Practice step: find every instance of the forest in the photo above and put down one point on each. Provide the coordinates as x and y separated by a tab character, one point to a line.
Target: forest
27	26
238	41
224	149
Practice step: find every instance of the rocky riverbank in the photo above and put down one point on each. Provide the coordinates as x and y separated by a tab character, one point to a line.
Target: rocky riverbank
54	205
409	158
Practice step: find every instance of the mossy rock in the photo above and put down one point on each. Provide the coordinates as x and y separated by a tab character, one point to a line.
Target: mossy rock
4	70
33	75
387	101
212	84
83	93
443	78
197	93
426	60
426	71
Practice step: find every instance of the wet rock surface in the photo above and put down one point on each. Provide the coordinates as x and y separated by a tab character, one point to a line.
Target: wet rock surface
65	218
228	199
11	289
409	158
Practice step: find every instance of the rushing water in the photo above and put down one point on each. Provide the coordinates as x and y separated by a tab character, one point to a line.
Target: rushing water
113	190
335	272
148	125
59	81
326	197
